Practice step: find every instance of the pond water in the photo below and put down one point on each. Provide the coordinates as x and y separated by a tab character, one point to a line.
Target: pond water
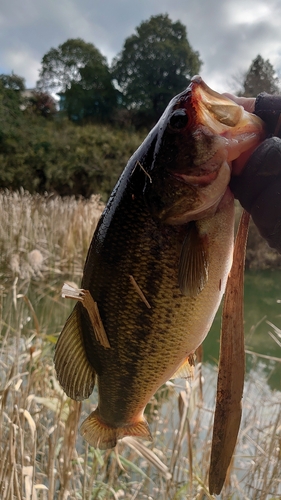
262	310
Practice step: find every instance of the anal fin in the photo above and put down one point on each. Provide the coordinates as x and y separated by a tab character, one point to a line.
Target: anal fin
186	369
102	436
74	372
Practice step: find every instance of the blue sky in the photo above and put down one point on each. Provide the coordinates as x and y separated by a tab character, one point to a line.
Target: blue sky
228	34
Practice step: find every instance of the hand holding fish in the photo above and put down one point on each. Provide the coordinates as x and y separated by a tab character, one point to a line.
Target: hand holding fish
256	180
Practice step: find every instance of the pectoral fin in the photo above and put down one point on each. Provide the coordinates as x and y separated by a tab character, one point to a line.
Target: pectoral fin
74	372
193	265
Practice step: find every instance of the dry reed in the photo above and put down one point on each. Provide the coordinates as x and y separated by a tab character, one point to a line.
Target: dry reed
42	456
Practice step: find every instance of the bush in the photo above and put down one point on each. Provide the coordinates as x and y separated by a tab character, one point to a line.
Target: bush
61	157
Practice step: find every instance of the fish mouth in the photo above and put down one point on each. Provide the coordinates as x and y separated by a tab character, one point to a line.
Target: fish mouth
240	129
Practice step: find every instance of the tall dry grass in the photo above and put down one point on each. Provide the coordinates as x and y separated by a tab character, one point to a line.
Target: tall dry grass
48	228
42	455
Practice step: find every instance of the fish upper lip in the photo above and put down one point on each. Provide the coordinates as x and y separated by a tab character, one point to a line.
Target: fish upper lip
196	180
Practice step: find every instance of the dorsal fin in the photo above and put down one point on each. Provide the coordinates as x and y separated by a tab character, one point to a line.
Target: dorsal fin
74	372
193	265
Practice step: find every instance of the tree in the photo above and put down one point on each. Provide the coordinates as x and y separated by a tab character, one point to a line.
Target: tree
12	82
11	100
260	77
79	73
61	66
155	64
41	103
93	96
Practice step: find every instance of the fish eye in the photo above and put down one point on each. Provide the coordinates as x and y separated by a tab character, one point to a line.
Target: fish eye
178	120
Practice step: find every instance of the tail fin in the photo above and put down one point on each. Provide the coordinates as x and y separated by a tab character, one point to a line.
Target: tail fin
103	436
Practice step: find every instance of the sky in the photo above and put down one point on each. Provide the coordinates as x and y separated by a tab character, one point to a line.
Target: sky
228	34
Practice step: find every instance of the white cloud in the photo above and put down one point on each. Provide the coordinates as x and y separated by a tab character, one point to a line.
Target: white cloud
228	35
23	63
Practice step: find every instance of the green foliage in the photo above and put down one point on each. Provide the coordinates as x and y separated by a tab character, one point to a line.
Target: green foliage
41	103
155	64
11	87
79	73
11	115
58	156
12	82
60	67
92	96
260	77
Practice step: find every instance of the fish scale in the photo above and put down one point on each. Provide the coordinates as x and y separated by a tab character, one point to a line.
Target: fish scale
147	338
158	263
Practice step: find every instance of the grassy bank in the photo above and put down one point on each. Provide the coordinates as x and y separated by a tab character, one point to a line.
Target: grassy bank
44	241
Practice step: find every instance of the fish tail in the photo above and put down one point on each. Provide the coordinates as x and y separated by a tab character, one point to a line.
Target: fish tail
103	436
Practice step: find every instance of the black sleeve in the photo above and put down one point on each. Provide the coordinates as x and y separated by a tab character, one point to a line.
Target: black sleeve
268	108
258	189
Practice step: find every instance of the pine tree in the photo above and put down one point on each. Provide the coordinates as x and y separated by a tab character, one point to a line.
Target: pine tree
260	77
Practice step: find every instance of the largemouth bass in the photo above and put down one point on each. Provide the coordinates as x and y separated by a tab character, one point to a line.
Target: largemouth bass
157	265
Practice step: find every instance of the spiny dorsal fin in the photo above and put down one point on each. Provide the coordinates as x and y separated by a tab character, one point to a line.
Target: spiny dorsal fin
193	265
74	372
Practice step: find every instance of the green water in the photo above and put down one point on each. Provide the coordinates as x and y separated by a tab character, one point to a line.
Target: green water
262	304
